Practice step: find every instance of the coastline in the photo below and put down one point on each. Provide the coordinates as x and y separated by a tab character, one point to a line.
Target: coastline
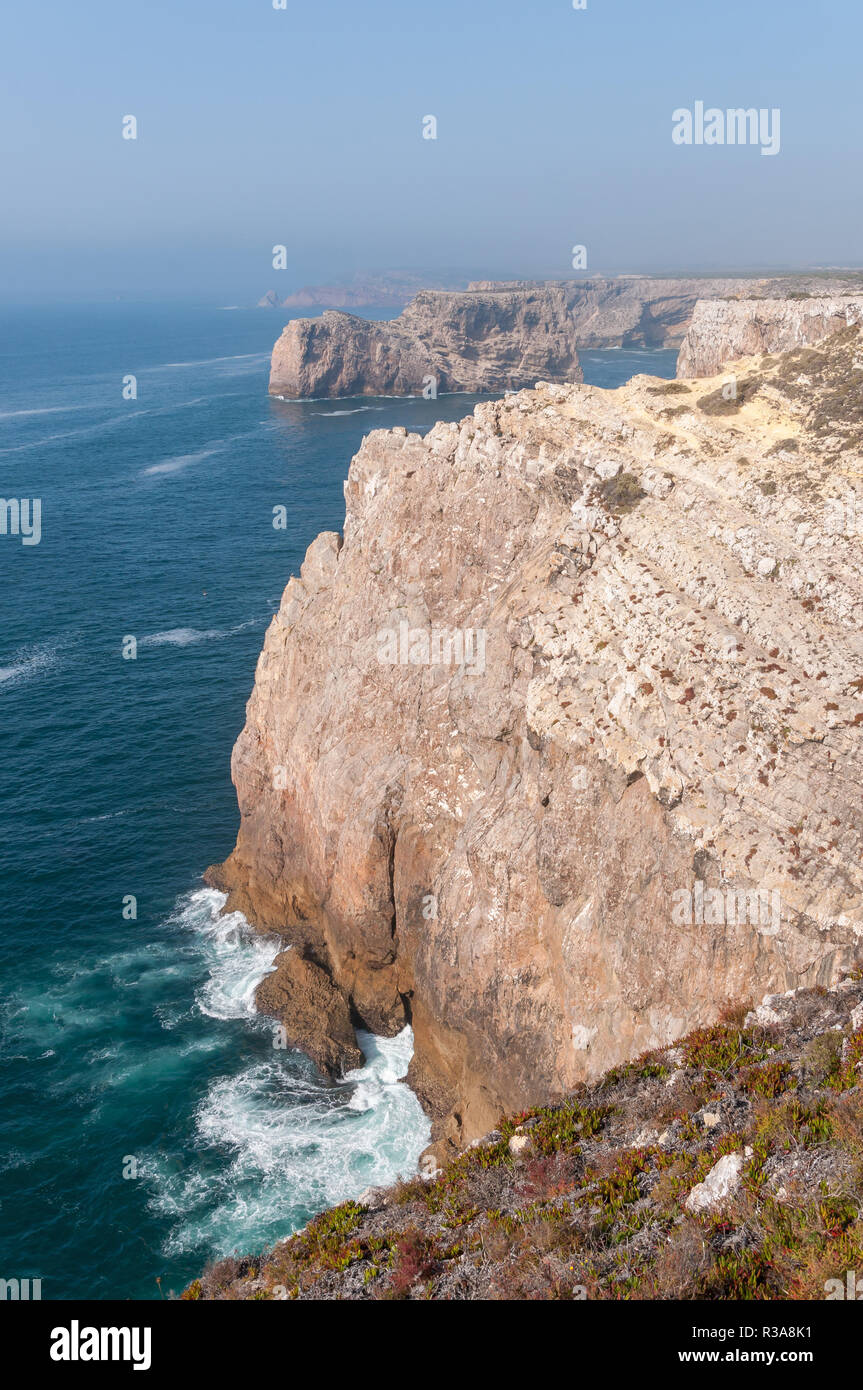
363	800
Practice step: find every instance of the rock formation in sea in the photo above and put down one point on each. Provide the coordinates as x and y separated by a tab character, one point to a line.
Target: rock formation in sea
313	1011
723	329
443	342
557	748
498	336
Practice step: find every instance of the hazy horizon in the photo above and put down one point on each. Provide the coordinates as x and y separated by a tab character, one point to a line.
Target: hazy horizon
304	127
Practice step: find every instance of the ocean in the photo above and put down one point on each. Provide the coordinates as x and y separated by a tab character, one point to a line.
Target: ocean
147	1125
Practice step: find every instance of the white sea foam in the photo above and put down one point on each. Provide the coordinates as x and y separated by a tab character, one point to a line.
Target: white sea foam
325	400
209	361
74	434
359	410
190	636
178	637
27	663
116	420
298	1146
238	958
271	1142
275	1142
14	1158
49	410
181	461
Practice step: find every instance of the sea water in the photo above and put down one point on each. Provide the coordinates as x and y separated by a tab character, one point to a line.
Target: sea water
147	1122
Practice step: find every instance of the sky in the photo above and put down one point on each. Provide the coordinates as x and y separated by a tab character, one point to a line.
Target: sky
303	127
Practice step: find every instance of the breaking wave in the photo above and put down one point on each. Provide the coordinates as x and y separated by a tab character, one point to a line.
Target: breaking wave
274	1142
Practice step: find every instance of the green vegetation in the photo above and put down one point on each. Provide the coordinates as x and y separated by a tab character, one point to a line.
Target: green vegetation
621	494
590	1199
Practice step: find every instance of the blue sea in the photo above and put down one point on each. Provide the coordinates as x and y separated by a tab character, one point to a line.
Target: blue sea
147	1125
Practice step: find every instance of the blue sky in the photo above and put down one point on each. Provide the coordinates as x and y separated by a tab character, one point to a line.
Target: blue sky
303	127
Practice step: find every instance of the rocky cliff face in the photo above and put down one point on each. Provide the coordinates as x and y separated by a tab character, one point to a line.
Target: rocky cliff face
645	312
631	310
461	342
583	672
722	329
499	336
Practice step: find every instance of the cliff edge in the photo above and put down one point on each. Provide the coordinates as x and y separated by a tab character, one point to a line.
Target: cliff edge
558	747
729	1166
722	329
505	335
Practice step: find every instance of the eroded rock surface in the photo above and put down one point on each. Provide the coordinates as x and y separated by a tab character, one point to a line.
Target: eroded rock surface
504	335
722	329
668	710
460	342
634	310
313	1011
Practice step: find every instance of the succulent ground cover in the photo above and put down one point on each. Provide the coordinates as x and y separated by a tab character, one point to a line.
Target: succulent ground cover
592	1197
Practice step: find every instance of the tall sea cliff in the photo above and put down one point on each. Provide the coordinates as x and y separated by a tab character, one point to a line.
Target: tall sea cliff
632	792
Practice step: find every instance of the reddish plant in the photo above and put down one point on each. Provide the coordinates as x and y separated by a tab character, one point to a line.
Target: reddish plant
414	1261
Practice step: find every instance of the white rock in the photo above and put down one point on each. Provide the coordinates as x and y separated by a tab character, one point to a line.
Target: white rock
372	1197
762	1015
646	1135
721	1182
608	468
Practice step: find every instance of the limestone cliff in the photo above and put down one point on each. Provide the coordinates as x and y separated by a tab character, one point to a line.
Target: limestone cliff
463	342
631	310
501	335
641	311
534	852
723	329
